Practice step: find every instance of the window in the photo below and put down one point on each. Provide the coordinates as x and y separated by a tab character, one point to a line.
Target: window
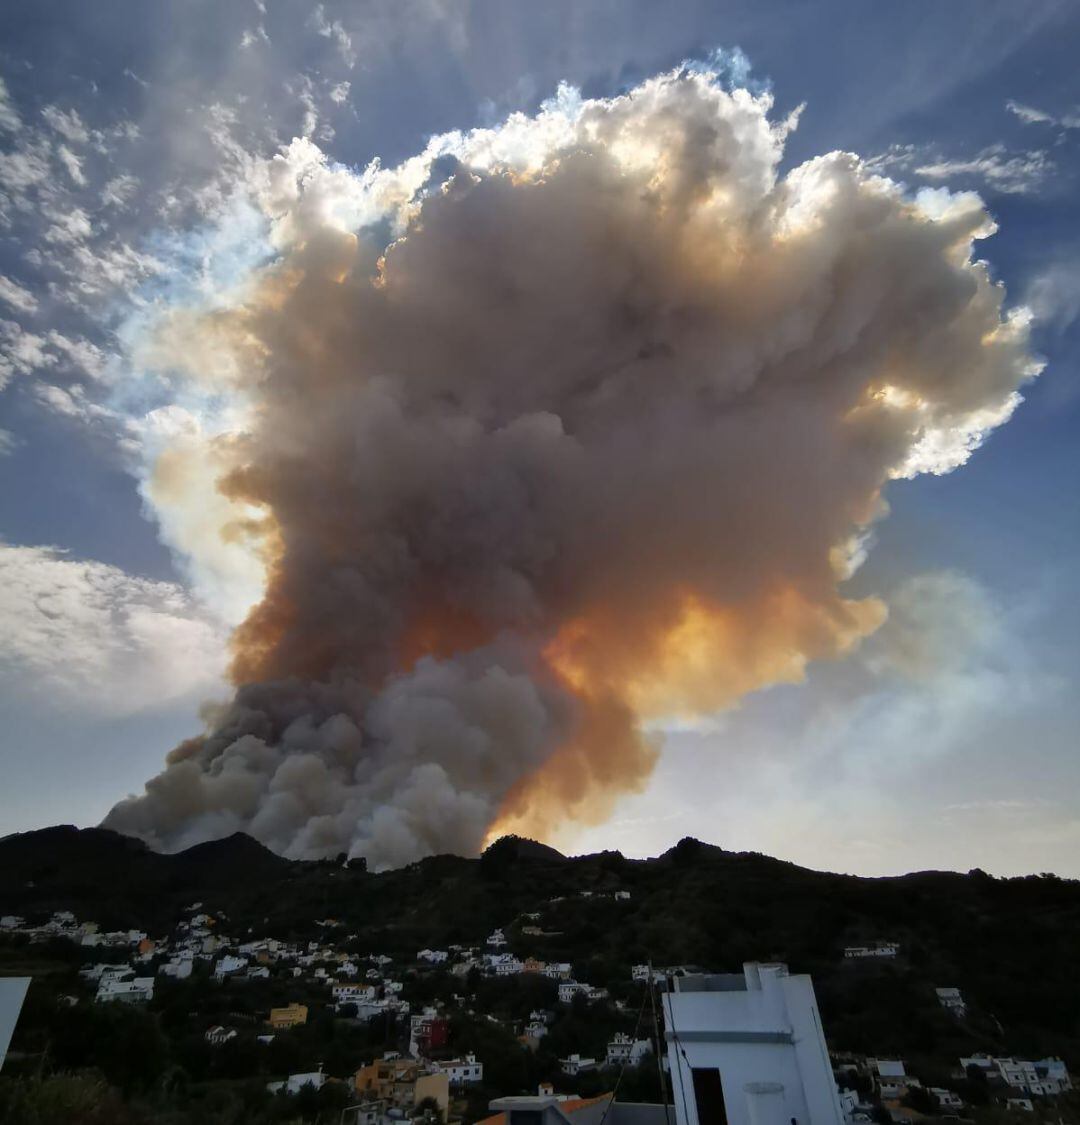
709	1096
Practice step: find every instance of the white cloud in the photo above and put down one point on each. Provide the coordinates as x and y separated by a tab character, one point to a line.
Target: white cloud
8	443
995	167
87	635
334	31
119	190
1012	173
72	225
72	165
10	121
1054	294
250	37
21	352
72	402
1030	115
17	296
67	123
340	92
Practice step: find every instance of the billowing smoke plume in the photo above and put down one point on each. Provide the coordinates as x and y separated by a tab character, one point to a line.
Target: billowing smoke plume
553	429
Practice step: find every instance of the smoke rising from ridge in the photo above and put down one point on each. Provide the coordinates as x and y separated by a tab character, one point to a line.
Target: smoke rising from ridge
553	429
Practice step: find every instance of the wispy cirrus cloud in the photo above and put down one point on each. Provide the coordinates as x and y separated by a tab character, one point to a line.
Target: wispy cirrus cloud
994	167
1031	115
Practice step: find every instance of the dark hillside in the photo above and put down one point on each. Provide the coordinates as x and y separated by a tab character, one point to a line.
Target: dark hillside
1009	944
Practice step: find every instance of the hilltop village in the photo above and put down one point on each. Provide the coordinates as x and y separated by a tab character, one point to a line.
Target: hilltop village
319	1028
320	992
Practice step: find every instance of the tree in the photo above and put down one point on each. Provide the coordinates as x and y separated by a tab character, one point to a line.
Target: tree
429	1111
64	1099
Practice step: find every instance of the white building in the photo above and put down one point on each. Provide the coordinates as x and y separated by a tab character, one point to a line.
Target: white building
497	940
296	1082
641	974
12	996
568	989
575	1065
433	956
557	970
947	1099
881	949
624	1051
461	1072
749	1049
229	966
891	1078
1044	1078
178	969
137	991
217	1035
503	964
951	1000
353	993
535	1030
1054	1070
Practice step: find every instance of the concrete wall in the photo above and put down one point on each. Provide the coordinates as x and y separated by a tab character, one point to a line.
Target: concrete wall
766	1040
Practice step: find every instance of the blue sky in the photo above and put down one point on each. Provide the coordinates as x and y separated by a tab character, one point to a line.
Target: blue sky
123	129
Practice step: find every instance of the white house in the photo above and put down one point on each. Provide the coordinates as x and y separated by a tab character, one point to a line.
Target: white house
137	991
228	966
641	974
1017	1072
557	970
624	1051
503	964
952	1001
353	993
433	956
497	940
622	896
179	968
535	1029
1054	1070
461	1072
296	1082
748	1049
568	989
947	1099
1046	1077
217	1035
575	1065
881	949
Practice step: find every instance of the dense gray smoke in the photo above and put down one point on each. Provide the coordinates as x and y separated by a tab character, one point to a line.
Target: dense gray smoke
555	428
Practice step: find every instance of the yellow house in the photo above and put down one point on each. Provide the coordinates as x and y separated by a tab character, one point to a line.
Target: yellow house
289	1016
401	1083
435	1086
